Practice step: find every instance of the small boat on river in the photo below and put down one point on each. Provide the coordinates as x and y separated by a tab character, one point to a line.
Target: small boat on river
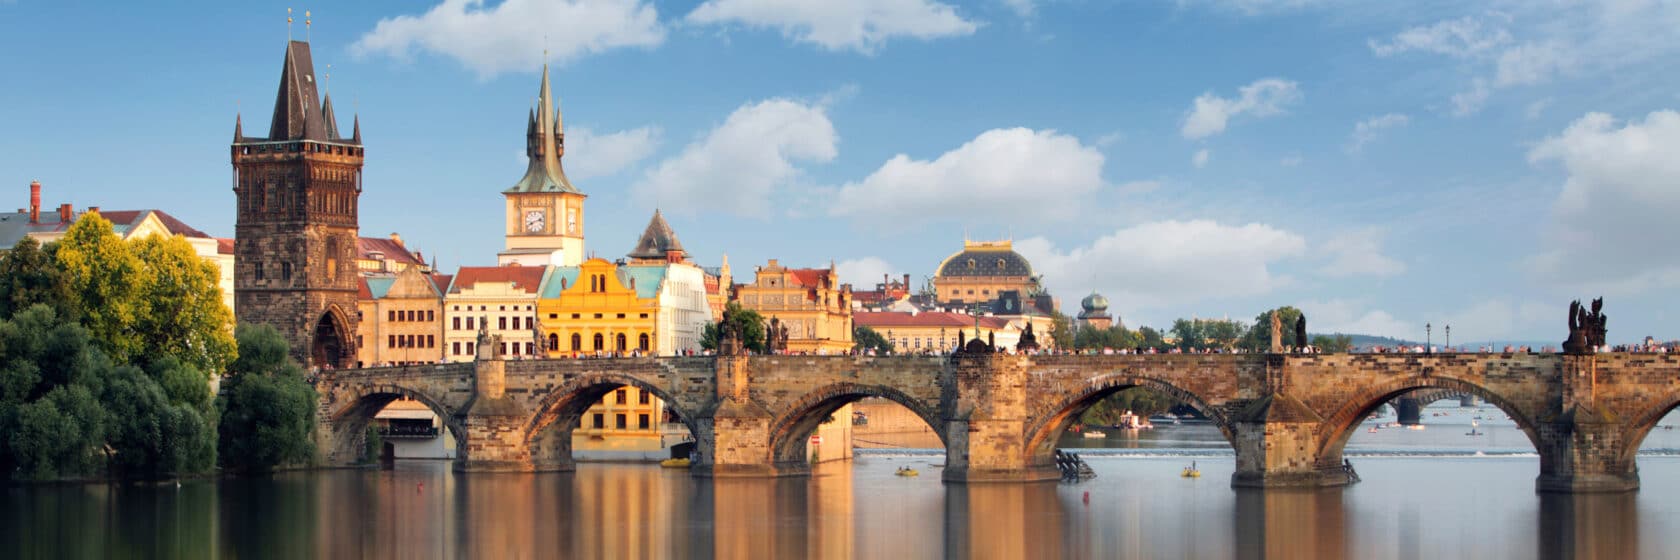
906	471
680	463
1191	471
1093	434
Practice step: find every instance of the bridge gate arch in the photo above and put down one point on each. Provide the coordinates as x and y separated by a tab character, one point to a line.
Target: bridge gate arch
791	431
1043	433
548	433
342	437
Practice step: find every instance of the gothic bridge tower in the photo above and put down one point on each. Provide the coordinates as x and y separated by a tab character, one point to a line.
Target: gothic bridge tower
295	235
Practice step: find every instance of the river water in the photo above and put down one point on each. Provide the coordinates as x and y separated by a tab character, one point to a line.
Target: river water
1430	494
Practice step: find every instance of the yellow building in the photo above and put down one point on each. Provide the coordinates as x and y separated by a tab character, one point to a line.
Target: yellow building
599	309
401	319
544	211
809	302
982	272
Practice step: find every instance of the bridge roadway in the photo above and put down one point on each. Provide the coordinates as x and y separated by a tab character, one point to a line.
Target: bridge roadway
1287	416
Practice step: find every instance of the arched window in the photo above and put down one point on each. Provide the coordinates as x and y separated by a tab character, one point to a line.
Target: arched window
600	342
623	343
577	342
553	342
643	342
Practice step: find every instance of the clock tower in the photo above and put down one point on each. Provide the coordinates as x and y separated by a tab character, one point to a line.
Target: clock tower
544	211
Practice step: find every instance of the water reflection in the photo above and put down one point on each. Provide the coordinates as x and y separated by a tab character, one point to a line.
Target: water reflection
1004	521
1291	524
1589	526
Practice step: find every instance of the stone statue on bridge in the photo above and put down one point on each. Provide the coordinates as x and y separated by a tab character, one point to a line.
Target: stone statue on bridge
1277	333
1301	333
776	336
1029	341
1586	328
729	335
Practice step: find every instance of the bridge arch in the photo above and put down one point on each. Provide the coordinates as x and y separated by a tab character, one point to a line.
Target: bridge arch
548	433
1641	424
790	432
1340	425
348	422
1043	432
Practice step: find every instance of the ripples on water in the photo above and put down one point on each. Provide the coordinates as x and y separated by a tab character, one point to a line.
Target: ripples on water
1424	497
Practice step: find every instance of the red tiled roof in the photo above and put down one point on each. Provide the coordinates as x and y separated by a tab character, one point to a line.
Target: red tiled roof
224	246
133	218
392	250
885	319
442	282
808	277
525	278
362	291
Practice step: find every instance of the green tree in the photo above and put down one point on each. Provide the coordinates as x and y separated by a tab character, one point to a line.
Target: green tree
1061	331
1115	337
59	435
151	437
267	410
752	328
183	315
1138	400
1189	334
30	274
1151	338
1333	344
1259	337
41	354
107	281
865	339
1223	333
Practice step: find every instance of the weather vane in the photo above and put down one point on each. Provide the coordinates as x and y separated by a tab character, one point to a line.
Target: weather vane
306	33
288	24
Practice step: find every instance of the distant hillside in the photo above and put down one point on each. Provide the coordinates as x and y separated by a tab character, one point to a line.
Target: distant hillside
1363	342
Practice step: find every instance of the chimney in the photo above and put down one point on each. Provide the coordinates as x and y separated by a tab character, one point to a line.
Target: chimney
65	213
94	209
34	202
398	240
906	281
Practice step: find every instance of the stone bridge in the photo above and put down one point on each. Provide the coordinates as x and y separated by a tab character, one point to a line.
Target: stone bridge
999	415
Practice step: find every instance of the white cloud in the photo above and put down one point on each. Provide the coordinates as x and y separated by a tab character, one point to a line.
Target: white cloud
859	25
1168	262
1612	224
1023	8
1495	320
1358	253
1536	108
735	167
982	181
1532	63
1461	38
1466	103
1209	113
1352	317
511	35
1367	130
596	155
864	273
1200	158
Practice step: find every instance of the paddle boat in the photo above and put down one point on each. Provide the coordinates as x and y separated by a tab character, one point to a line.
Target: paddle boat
1191	471
906	471
681	463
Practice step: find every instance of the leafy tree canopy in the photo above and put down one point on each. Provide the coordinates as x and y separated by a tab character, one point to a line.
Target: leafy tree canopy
865	338
750	322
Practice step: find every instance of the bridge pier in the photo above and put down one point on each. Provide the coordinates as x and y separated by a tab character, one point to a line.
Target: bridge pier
1410	411
1277	447
987	423
1581	452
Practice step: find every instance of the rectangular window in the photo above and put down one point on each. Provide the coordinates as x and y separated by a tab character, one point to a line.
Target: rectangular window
597	315
456	323
641	421
642	397
621	421
501	323
472	348
391	316
515	348
621	315
554	315
577	315
431	315
469	323
285	271
529	347
454	348
623	396
258	269
644	316
600	420
391	342
431	341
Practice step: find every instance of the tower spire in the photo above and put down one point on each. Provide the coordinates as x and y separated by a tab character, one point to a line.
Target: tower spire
357	135
544	173
238	128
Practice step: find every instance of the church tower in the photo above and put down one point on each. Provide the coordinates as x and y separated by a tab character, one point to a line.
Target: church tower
295	233
544	211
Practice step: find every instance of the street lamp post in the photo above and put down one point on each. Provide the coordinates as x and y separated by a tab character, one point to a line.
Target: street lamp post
1449	337
1428	339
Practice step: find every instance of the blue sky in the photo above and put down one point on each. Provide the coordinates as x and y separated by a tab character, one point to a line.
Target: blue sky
1380	164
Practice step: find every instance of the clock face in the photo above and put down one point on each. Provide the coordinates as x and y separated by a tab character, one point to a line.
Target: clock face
533	220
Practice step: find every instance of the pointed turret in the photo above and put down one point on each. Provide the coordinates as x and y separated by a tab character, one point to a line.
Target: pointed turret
296	113
238	129
327	117
658	242
544	173
356	123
